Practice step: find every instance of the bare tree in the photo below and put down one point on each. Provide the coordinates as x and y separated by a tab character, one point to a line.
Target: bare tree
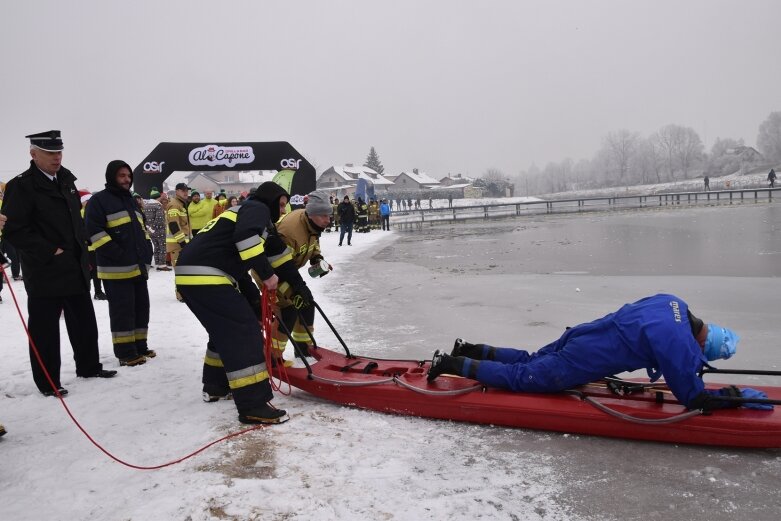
689	149
769	138
496	182
665	141
680	146
621	147
647	162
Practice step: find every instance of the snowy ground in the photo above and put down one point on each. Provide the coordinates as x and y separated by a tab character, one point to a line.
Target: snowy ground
327	462
331	462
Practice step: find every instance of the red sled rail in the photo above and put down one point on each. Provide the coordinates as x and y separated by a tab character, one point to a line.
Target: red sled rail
616	409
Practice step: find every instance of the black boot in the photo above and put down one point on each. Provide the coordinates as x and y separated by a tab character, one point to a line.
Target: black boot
473	351
266	414
442	363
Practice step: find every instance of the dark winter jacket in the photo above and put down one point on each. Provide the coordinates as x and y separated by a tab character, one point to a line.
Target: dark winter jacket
44	215
346	212
117	231
233	243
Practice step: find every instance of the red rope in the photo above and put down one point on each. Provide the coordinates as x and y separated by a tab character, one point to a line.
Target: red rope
268	300
78	424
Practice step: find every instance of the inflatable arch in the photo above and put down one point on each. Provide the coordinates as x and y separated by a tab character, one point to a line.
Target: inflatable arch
296	174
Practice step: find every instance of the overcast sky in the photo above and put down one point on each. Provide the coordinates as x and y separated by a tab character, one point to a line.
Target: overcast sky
445	86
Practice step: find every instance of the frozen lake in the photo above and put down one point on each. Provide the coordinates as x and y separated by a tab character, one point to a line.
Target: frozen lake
520	282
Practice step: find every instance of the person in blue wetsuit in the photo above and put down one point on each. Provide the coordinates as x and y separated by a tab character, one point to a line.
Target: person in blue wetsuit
658	333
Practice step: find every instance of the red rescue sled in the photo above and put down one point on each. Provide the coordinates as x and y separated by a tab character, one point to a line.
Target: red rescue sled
642	412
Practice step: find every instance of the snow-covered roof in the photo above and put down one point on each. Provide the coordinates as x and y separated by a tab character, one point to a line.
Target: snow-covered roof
420	177
350	172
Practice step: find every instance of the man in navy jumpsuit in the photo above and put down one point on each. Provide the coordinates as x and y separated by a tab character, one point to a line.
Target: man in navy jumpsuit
658	333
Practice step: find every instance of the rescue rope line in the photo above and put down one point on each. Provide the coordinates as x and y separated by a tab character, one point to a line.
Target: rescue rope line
267	301
78	424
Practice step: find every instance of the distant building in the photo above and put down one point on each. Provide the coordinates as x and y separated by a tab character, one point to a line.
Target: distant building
232	181
413	180
341	180
748	154
458	179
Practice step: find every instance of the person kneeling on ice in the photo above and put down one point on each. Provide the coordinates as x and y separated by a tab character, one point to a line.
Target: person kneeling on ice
658	333
212	277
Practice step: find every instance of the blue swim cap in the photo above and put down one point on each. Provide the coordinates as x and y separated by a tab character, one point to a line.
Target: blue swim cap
721	342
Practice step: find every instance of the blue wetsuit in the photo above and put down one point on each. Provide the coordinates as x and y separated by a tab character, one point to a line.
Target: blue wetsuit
653	333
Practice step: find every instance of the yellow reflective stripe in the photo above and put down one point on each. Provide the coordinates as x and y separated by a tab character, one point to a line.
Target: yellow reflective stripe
100	242
118	222
118	272
123	337
252	252
231	215
212	362
173	212
300	336
282	288
201	280
119	276
141	334
117	219
279	260
248	380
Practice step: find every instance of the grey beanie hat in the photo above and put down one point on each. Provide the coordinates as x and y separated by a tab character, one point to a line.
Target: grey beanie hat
318	204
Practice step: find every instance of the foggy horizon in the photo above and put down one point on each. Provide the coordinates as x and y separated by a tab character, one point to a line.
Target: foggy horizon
445	87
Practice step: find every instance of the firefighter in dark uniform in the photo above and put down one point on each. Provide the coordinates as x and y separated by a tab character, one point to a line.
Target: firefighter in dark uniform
362	210
117	232
45	226
212	277
300	233
178	230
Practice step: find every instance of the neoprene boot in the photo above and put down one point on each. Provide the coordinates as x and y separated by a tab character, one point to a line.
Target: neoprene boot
442	363
473	351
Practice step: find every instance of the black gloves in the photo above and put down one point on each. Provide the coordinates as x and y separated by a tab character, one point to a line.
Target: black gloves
302	297
708	400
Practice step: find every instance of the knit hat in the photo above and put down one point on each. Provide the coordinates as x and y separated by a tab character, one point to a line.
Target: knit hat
154	193
720	343
318	204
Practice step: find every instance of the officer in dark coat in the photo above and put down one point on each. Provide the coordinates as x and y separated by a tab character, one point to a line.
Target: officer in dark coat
45	226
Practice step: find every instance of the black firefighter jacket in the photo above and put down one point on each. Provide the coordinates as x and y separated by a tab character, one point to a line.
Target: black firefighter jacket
117	232
42	216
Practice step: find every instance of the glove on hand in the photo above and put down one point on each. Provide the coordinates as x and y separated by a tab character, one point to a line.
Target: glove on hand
302	297
748	392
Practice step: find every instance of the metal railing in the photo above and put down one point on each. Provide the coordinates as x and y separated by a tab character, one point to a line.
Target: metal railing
581	204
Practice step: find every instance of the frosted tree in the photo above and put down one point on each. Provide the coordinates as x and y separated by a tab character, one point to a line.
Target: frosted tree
373	161
622	147
769	138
